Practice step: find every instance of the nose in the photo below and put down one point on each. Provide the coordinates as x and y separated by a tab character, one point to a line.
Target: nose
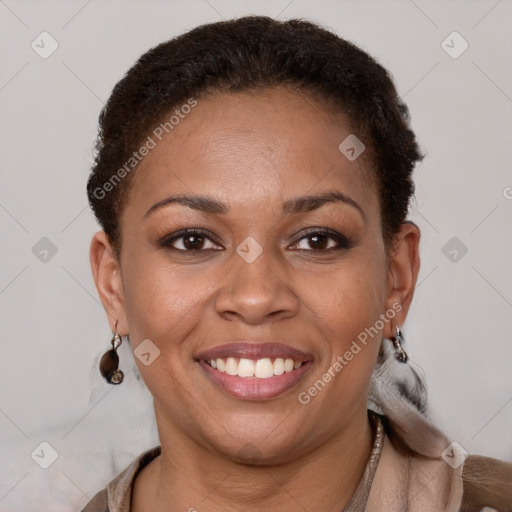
256	292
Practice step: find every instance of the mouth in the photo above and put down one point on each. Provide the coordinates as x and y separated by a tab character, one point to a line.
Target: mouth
255	371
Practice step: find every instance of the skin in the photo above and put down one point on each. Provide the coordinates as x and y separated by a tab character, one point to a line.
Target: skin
254	151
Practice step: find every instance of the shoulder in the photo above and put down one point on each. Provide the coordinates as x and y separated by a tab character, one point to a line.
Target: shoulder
487	483
116	496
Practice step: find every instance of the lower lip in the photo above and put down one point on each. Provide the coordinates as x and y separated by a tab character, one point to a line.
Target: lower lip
253	388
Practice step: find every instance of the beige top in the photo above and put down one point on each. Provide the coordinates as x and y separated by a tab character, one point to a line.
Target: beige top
395	480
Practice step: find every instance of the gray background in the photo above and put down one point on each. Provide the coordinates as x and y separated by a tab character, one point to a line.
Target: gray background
53	328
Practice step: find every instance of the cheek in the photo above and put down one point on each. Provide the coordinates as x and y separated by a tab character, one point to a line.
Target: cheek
350	319
162	301
340	384
354	296
165	304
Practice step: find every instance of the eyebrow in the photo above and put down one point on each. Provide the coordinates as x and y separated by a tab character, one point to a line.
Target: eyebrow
312	202
200	203
292	206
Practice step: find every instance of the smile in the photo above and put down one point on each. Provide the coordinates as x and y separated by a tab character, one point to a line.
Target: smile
255	371
261	368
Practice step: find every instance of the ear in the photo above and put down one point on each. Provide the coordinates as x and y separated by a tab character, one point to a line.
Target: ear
404	266
107	277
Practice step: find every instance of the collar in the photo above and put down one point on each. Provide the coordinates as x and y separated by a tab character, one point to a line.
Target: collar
394	480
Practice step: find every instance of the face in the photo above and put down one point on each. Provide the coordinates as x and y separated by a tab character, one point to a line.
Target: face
268	293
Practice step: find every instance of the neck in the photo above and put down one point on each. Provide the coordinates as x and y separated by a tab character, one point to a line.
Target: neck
195	479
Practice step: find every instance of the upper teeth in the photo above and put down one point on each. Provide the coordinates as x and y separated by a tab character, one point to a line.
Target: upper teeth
261	368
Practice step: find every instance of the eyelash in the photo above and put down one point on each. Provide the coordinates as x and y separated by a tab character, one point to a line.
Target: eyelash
341	240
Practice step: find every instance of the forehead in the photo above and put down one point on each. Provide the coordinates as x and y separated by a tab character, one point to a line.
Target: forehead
253	148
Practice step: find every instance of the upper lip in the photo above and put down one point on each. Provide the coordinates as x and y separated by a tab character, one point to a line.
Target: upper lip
250	350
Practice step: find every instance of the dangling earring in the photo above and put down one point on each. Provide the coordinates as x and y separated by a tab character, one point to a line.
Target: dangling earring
397	340
109	363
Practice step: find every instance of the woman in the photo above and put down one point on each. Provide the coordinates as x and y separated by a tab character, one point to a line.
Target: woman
252	180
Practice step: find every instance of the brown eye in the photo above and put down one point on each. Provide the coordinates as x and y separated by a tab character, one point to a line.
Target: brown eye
322	240
193	241
318	241
189	241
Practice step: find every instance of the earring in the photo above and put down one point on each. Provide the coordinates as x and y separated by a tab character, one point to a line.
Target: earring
397	340
109	363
